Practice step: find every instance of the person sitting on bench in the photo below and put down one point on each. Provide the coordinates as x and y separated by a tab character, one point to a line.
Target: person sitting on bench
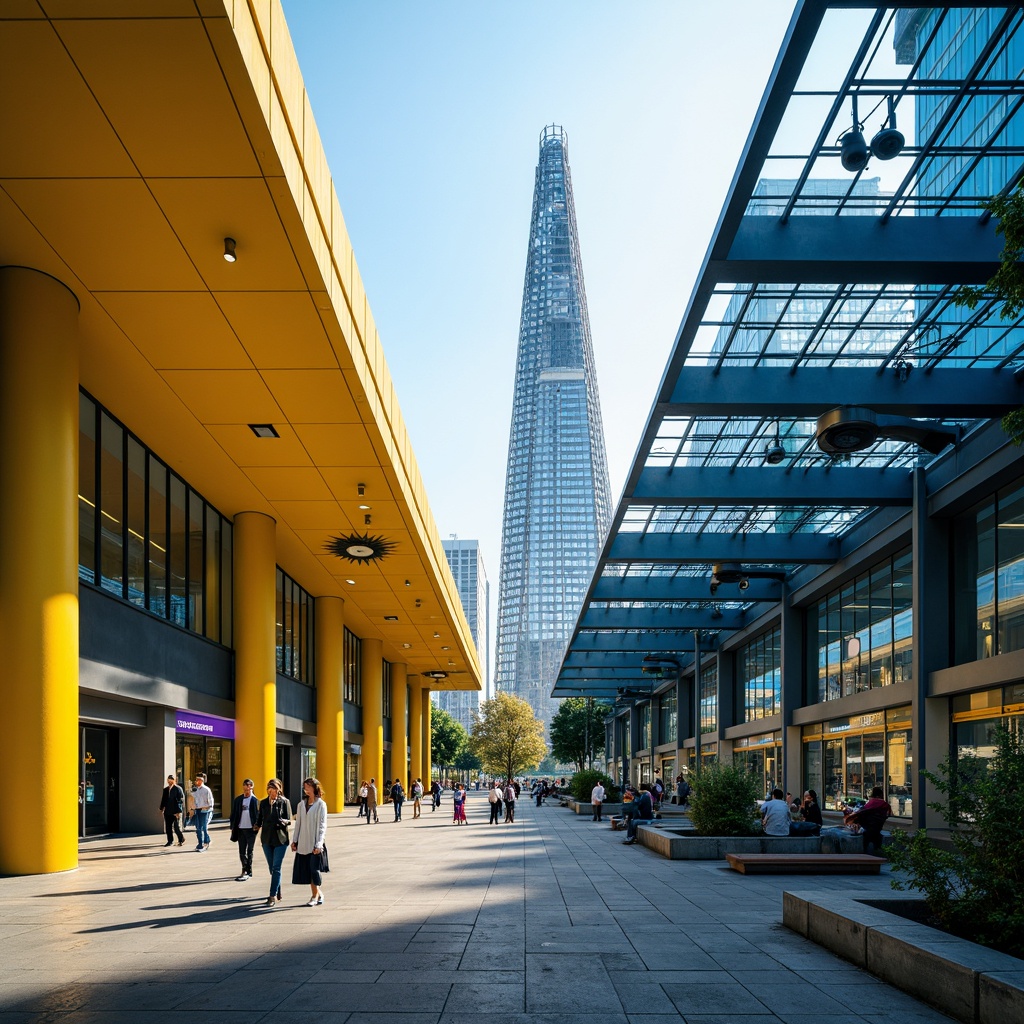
640	810
871	817
775	818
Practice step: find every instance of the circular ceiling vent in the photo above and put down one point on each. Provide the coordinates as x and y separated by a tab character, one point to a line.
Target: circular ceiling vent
360	547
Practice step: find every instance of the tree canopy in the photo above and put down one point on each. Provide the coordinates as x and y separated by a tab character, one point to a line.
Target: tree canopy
507	737
577	730
448	738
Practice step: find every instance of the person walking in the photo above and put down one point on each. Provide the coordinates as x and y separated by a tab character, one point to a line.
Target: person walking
202	801
364	792
459	799
172	804
397	798
417	796
435	792
596	800
244	811
273	820
309	841
371	801
494	798
508	798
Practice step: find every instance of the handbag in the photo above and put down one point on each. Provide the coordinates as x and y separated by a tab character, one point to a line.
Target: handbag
234	835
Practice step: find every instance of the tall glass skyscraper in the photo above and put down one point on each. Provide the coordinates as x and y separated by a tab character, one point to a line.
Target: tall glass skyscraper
556	487
467	565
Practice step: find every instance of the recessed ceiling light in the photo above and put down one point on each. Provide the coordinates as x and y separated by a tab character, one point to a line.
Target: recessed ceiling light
446	648
407	646
364	507
264	430
437	636
351	583
390	618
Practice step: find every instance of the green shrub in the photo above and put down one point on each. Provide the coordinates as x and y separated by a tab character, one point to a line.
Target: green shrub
977	889
723	800
583	782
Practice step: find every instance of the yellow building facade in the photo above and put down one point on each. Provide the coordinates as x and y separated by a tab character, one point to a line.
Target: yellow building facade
217	552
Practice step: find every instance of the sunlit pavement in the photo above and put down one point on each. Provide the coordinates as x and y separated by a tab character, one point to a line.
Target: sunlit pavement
550	919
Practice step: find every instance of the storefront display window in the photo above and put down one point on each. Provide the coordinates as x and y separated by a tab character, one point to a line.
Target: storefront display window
762	757
845	758
759	670
865	631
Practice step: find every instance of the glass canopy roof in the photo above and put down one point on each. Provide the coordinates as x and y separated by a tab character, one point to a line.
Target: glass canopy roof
823	355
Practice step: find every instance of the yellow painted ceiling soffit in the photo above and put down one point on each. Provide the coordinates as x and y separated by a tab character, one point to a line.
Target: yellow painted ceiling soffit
54	108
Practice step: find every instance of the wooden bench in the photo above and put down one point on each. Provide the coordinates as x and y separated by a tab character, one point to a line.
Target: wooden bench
804	864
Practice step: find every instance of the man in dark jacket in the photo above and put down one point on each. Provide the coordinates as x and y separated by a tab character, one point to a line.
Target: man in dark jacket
243	827
642	809
172	804
397	798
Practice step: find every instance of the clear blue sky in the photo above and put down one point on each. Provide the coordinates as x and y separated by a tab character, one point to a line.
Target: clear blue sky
430	115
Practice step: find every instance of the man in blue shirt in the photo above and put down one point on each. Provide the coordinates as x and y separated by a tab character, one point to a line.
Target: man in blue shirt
202	803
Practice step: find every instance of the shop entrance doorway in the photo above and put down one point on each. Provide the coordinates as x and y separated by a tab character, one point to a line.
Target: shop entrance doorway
98	801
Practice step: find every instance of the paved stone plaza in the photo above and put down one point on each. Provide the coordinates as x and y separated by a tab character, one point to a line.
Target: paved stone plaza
547	920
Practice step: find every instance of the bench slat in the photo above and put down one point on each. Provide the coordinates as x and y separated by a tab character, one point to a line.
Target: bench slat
805	864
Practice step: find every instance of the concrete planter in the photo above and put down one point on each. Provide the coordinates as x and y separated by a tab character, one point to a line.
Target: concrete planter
972	983
685	844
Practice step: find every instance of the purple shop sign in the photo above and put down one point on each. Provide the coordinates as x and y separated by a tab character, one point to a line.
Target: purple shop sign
204	725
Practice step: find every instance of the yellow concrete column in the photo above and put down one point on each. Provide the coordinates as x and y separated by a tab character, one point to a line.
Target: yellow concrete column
416	731
399	737
425	705
330	705
39	569
373	714
255	625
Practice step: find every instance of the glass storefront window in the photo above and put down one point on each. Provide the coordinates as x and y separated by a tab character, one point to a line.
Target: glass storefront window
709	698
759	666
111	518
865	631
353	672
294	630
159	545
1010	581
668	717
87	491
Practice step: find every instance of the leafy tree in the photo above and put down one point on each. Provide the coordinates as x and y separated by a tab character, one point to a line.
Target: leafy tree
1007	283
723	800
577	730
507	737
466	760
975	890
448	738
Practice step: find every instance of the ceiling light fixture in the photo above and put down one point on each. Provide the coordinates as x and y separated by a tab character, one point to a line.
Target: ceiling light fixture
229	250
888	142
360	547
852	429
390	618
360	489
364	508
407	583
853	150
446	648
776	450
436	674
437	636
367	519
264	429
351	583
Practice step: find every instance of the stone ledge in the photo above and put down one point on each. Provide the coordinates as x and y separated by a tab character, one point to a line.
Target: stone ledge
972	983
685	844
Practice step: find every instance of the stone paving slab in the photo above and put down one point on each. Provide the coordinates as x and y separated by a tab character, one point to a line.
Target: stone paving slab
549	920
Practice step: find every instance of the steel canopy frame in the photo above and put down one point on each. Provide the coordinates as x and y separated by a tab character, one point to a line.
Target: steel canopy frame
818	290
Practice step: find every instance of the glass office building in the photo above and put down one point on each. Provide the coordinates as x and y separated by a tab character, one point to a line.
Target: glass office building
467	565
556	487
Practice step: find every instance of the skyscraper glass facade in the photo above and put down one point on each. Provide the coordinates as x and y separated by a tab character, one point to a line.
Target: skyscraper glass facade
556	487
467	565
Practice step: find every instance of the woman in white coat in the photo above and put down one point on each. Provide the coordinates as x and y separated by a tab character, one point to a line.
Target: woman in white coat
309	841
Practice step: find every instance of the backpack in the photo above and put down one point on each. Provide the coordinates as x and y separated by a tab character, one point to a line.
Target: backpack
396	791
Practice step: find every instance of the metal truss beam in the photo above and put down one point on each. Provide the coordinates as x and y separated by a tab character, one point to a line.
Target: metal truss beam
708	548
676	588
640	643
765	391
834	250
606	661
682	617
767	485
